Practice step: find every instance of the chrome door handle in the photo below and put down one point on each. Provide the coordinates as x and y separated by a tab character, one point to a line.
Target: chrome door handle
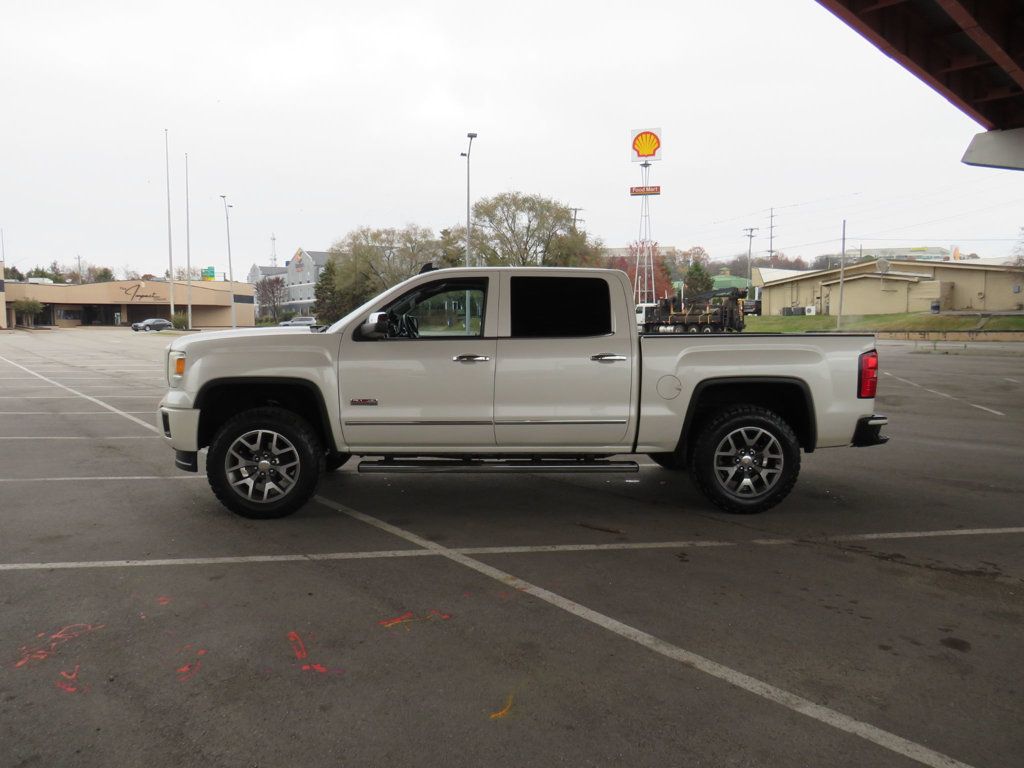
470	359
607	357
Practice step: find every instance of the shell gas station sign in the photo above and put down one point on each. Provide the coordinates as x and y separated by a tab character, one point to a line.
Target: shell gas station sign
646	145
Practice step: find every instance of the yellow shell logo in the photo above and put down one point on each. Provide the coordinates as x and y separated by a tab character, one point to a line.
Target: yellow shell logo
646	144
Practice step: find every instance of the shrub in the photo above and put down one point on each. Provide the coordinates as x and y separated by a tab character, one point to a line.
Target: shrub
180	321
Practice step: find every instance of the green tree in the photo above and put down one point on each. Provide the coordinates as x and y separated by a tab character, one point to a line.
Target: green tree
29	309
451	248
328	306
574	249
13	273
96	274
516	229
698	280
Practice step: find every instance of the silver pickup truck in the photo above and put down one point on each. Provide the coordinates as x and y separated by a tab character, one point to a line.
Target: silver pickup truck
511	370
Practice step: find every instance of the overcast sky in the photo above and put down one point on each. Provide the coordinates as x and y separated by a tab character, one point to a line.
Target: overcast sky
319	117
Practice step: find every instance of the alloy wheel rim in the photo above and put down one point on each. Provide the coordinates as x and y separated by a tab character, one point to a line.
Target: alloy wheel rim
749	462
262	466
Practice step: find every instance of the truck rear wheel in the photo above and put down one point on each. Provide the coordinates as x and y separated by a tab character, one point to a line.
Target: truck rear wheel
264	463
746	459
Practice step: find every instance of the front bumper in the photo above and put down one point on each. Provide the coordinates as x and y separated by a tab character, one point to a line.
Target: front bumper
869	431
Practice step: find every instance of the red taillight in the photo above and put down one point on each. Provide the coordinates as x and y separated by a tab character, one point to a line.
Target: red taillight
867	378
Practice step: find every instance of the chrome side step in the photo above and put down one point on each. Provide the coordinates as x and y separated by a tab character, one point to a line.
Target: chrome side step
408	466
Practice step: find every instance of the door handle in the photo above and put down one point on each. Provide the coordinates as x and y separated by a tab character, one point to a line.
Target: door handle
470	359
607	357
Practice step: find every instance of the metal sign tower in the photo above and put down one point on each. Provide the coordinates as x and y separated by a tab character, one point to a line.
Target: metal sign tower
646	147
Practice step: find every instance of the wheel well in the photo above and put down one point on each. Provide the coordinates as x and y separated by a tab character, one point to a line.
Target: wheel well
790	399
219	401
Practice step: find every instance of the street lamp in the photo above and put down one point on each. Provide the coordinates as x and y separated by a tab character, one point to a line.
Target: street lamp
469	222
231	272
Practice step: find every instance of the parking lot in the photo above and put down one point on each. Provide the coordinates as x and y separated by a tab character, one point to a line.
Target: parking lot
875	618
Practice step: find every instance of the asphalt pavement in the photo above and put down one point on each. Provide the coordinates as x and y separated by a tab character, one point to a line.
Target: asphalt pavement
875	618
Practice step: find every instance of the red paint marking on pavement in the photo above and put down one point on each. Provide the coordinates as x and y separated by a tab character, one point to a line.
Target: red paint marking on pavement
162	600
298	646
388	623
187	671
190	669
47	649
302	654
69	682
408	617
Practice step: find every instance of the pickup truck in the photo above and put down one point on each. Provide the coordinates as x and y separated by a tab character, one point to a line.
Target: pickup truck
468	370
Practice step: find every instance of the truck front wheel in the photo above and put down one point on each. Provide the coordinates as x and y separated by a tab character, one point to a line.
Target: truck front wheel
264	463
746	459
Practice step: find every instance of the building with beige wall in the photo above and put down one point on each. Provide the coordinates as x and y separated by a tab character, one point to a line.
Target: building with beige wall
123	302
889	287
3	300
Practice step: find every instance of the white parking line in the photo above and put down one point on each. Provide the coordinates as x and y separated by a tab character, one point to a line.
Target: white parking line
215	560
943	394
926	534
79	437
990	410
131	478
78	394
792	701
1014	381
65	413
509	550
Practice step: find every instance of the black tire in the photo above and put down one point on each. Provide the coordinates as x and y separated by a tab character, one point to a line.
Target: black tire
668	460
335	461
299	443
692	329
758	441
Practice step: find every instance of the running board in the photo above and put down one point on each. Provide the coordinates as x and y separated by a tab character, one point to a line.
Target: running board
408	466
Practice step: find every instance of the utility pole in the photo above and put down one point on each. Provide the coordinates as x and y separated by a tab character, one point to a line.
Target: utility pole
575	214
170	255
842	275
750	232
771	235
79	256
231	271
273	250
188	247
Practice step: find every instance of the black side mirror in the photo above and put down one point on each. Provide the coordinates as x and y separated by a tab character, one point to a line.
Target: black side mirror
376	327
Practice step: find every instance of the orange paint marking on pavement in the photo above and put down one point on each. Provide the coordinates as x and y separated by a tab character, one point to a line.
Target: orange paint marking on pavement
504	710
408	617
68	681
48	648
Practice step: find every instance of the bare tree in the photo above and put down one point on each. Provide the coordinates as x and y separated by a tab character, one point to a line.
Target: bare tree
271	293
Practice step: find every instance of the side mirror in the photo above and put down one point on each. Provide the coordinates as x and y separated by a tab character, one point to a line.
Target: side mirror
376	327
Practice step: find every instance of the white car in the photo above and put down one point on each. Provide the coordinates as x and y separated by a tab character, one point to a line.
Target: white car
299	321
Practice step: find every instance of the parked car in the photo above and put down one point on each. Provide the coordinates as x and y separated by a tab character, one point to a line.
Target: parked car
299	321
153	324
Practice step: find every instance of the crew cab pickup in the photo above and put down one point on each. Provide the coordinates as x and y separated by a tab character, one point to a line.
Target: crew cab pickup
470	370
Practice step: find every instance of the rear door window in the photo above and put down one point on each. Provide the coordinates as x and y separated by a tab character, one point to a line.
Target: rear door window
560	307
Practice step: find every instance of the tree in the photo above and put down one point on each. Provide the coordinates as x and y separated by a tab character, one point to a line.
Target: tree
574	249
517	230
327	307
96	274
698	280
182	274
13	273
1018	250
662	274
271	293
451	248
28	309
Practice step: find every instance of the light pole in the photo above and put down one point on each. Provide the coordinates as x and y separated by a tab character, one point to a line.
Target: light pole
231	272
469	221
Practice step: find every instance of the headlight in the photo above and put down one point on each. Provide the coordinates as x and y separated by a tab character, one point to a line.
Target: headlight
175	368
